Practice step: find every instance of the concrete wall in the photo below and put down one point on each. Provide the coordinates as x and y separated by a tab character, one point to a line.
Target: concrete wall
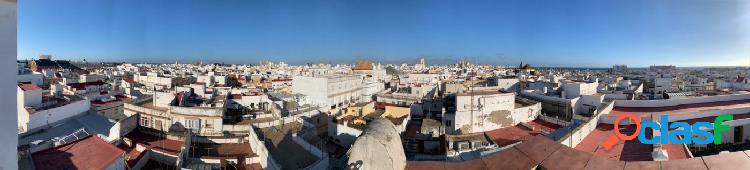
53	115
266	161
163	157
509	84
30	98
314	87
345	135
126	125
577	134
496	112
526	114
588	103
576	89
8	136
142	161
308	147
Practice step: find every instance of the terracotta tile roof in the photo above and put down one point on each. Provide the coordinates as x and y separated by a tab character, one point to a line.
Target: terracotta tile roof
154	142
692	163
509	135
83	85
596	163
731	160
626	151
90	152
28	86
363	65
539	150
566	158
511	158
642	165
133	155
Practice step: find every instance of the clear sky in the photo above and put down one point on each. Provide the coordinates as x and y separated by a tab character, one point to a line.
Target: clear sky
595	33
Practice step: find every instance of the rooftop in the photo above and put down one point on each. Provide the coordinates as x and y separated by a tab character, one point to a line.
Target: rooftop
509	135
632	150
683	108
118	98
155	142
550	154
90	152
28	86
480	92
221	150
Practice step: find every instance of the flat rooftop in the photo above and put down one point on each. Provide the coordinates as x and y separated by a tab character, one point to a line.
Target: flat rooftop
90	152
286	152
683	108
132	154
632	150
118	98
221	150
482	92
155	142
509	135
150	104
549	154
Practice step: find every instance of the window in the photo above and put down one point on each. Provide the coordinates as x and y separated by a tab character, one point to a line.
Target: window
193	124
145	121
448	123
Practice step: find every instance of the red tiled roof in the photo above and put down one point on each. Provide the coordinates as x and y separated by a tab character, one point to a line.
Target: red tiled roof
509	135
632	150
363	65
566	158
382	105
90	152
133	155
641	165
83	85
552	155
154	142
28	86
732	160
692	163
511	158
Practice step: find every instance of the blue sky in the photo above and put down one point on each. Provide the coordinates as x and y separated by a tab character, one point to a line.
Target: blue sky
596	33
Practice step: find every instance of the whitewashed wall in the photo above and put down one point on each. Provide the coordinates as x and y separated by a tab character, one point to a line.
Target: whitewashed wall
54	115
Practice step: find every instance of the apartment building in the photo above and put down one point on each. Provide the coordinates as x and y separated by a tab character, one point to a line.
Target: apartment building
332	91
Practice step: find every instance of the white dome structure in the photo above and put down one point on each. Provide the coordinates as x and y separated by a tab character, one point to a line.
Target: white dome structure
379	147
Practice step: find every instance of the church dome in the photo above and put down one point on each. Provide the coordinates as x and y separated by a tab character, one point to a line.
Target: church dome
363	65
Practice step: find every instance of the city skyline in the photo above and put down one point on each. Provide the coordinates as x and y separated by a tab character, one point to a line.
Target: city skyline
551	34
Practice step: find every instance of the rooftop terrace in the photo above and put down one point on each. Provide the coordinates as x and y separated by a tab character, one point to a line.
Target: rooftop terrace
509	135
683	108
548	154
